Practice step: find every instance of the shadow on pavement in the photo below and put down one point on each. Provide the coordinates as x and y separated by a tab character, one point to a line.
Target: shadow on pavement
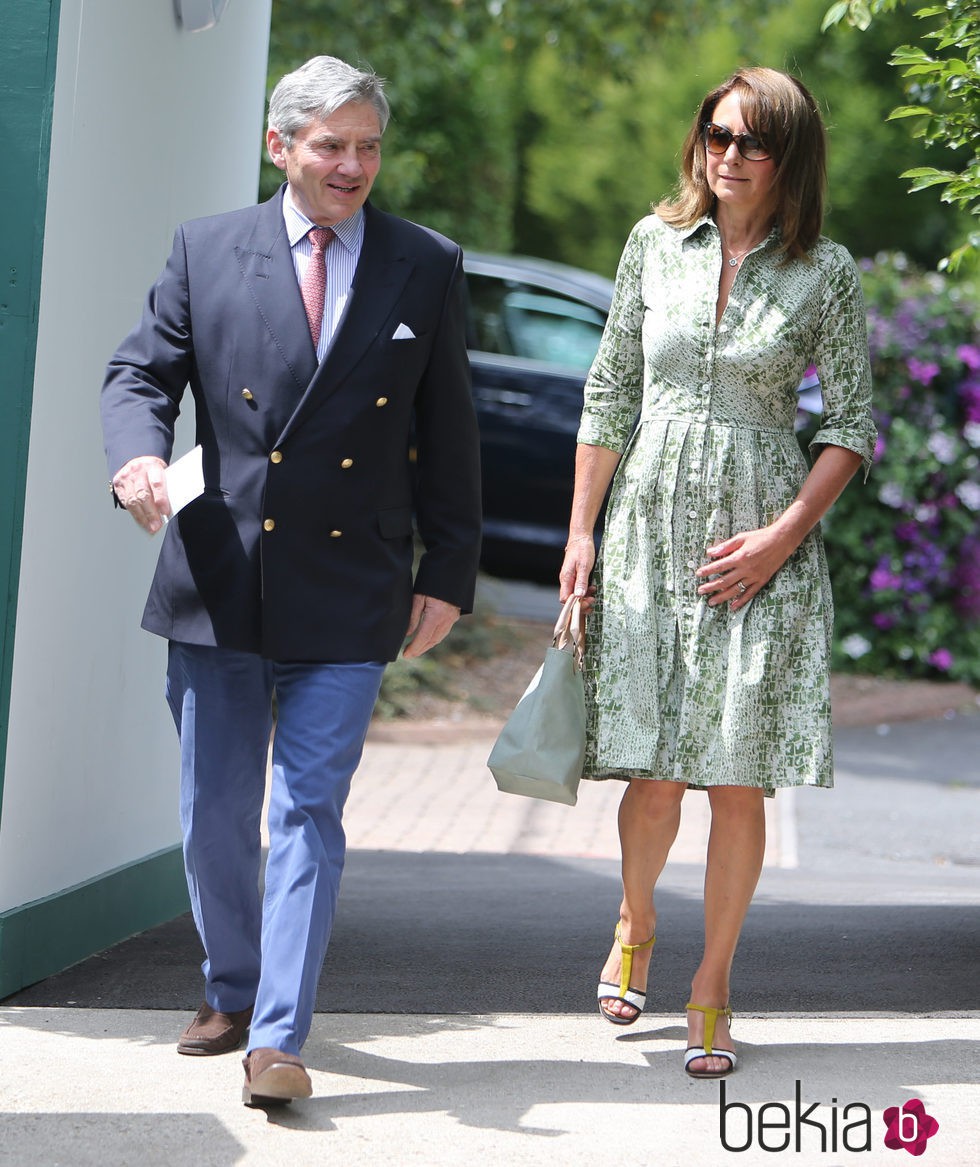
481	933
509	1075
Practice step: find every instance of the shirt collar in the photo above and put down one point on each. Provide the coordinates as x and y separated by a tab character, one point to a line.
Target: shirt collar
350	231
687	233
706	223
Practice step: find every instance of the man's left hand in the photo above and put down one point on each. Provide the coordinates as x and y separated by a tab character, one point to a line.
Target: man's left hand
430	622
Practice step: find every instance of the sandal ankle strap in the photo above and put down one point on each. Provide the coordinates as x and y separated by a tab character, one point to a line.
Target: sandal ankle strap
633	947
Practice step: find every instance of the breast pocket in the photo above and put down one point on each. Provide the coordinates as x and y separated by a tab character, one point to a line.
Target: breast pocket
405	358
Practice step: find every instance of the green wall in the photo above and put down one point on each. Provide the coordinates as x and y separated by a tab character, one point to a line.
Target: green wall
28	54
40	938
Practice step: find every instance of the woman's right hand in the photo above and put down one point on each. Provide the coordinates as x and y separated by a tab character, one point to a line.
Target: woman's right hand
594	468
573	579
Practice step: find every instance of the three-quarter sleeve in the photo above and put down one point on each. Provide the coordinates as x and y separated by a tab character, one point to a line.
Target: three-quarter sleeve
614	387
843	362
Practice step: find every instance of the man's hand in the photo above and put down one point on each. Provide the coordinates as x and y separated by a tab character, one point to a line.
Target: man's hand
141	487
430	622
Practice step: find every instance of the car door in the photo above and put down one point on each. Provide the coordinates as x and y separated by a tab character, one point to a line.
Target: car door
531	346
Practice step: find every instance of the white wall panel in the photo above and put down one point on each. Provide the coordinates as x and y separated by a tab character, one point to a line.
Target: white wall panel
151	125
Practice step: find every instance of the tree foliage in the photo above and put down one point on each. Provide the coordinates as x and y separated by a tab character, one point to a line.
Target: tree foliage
549	126
592	173
457	76
943	87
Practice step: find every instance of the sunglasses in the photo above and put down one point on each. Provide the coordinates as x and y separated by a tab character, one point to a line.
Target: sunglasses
717	139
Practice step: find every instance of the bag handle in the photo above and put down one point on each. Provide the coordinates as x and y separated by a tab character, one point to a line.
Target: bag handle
568	630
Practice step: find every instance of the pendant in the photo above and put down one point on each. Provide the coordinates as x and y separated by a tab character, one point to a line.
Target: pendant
733	263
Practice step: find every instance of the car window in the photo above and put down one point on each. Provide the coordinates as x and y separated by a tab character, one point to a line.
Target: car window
537	324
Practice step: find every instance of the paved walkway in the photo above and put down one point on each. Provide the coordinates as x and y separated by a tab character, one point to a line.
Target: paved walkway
95	1088
413	795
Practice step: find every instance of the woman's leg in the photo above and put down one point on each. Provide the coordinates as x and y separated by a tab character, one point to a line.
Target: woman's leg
649	816
736	845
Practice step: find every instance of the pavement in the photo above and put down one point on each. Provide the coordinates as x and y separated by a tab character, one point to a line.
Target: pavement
456	1020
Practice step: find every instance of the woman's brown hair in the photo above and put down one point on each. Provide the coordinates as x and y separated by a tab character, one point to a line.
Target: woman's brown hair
781	112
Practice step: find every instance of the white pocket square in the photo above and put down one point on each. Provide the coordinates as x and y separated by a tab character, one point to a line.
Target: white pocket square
403	332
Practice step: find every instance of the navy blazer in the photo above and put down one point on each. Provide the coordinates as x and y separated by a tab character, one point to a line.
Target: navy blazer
301	547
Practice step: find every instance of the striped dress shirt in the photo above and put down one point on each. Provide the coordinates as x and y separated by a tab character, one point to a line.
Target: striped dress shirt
341	261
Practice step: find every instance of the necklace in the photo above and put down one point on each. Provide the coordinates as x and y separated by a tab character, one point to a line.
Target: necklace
737	257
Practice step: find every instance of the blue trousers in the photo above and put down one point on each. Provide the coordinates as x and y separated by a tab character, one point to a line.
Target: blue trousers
267	951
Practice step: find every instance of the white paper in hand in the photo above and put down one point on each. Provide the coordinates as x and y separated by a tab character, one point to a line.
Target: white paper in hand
185	480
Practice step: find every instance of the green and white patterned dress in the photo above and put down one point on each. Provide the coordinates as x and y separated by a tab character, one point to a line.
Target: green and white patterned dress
676	689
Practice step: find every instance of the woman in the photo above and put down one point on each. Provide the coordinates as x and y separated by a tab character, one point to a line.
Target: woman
709	641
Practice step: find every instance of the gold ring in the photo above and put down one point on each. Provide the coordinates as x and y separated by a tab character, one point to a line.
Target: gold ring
741	586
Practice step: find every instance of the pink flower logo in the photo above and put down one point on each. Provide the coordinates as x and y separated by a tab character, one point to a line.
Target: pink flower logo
909	1127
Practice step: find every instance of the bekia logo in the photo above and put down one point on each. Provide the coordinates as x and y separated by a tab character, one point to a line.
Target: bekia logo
909	1127
776	1126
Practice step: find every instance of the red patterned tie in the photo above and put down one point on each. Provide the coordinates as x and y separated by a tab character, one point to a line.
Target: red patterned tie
314	283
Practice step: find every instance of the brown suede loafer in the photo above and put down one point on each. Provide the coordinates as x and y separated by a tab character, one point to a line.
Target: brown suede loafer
272	1078
212	1032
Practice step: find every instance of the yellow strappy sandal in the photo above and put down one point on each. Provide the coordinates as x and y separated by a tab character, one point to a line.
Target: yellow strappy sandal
622	992
694	1052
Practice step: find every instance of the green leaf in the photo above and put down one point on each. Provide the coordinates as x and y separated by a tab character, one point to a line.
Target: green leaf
926	181
907	55
859	15
834	15
909	111
905	60
945	39
927	171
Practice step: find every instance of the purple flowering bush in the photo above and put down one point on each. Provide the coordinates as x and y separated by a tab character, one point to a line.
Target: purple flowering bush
904	548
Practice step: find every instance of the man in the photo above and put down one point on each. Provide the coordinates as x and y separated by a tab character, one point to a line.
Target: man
313	356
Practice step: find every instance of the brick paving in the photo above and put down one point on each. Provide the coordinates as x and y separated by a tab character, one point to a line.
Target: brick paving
438	795
423	785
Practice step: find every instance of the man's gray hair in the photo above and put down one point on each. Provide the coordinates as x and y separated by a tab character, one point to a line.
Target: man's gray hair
319	88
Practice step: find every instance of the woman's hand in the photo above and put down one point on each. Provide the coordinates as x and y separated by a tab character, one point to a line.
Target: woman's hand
573	579
742	565
594	468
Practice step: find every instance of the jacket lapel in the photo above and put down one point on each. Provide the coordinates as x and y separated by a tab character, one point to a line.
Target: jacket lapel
382	272
267	267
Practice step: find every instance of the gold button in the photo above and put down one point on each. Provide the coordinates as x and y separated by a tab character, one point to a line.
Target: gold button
276	456
336	534
247	394
269	525
347	464
381	401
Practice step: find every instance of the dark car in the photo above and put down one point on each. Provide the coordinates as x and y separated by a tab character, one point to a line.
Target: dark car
534	327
